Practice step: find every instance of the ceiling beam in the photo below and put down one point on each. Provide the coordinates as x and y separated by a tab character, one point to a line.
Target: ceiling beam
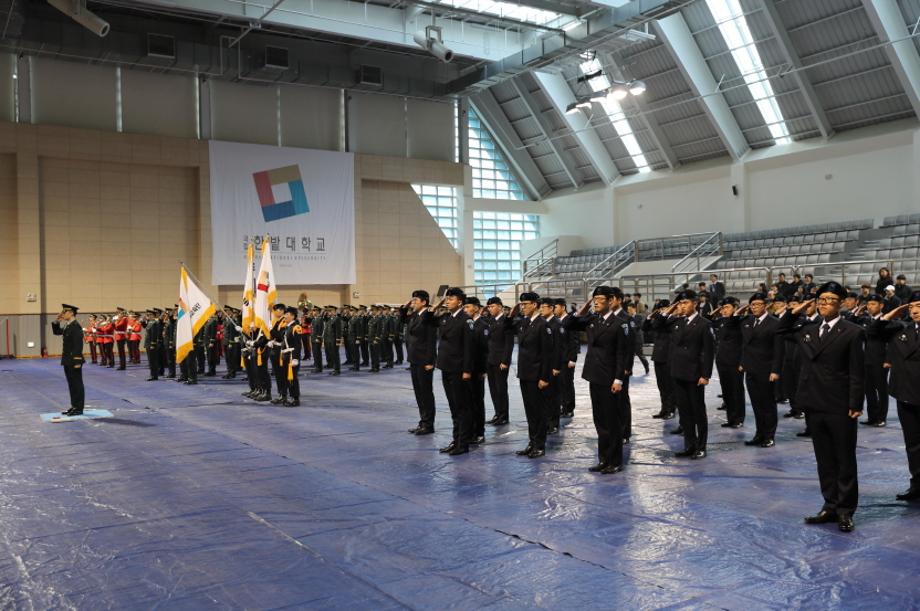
679	40
491	113
560	94
771	14
645	115
564	157
891	26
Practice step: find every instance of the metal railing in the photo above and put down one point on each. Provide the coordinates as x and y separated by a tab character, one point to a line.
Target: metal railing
541	263
650	249
612	263
711	246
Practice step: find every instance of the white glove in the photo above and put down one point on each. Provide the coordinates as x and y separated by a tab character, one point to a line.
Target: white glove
271	343
238	328
295	362
249	343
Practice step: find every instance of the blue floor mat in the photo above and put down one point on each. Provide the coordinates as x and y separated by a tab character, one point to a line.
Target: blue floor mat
189	497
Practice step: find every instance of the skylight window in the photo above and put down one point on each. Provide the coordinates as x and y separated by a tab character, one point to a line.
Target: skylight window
514	11
615	113
734	27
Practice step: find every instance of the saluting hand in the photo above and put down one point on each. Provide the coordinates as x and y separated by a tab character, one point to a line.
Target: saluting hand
896	312
702	382
801	307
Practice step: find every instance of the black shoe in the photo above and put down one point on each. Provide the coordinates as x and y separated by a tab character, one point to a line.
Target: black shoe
685	453
248	394
677	431
210	374
415	430
880	424
756	441
264	396
805	433
567	414
292	403
625	440
768	443
191	382
611	469
448	447
181	380
722	408
388	367
658	415
501	422
912	494
424	431
171	376
845	524
227	376
732	425
74	411
867	422
336	373
525	451
536	454
478	440
799	415
789	414
153	379
278	401
493	420
668	416
120	369
458	450
598	467
822	517
552	430
699	454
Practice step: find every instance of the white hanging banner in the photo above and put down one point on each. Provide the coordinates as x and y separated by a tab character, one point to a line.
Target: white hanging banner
304	199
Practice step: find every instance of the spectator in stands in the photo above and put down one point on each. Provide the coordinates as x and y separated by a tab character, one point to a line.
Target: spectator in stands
704	307
864	291
641	308
773	292
808	285
716	288
901	290
762	288
891	299
781	285
794	285
884	279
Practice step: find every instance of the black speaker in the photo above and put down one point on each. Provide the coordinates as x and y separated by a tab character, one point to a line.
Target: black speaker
735	190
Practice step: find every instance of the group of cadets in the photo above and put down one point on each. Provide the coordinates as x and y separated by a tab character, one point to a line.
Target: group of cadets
823	349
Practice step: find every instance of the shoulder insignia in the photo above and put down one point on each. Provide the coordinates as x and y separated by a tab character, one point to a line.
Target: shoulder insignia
549	330
625	328
470	323
485	331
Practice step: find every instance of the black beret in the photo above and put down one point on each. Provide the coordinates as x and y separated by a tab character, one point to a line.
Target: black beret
832	287
757	297
455	292
529	297
729	301
901	277
779	299
852	295
874	297
278	306
494	300
914	297
66	306
608	292
683	295
423	295
291	310
561	301
550	301
662	303
473	301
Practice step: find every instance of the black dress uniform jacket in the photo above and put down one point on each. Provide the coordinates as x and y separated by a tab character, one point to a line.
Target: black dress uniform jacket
536	350
455	345
691	350
501	340
72	347
421	337
610	347
762	348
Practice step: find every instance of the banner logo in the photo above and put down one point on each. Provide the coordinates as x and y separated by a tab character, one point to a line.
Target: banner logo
281	193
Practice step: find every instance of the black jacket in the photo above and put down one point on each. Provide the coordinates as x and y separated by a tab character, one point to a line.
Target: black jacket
831	375
535	350
481	330
877	336
570	344
553	323
421	337
501	340
903	352
154	335
761	346
691	350
728	341
658	325
455	343
72	346
610	347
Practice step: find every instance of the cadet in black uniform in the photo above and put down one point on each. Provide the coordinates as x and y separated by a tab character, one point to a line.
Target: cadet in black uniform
261	352
421	349
169	341
727	326
473	309
317	323
762	362
388	329
501	347
691	359
374	323
624	401
209	330
355	338
547	305
332	340
876	372
276	340
152	343
610	350
365	346
455	360
536	354
231	341
904	358
290	357
571	347
71	355
831	393
790	371
657	324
